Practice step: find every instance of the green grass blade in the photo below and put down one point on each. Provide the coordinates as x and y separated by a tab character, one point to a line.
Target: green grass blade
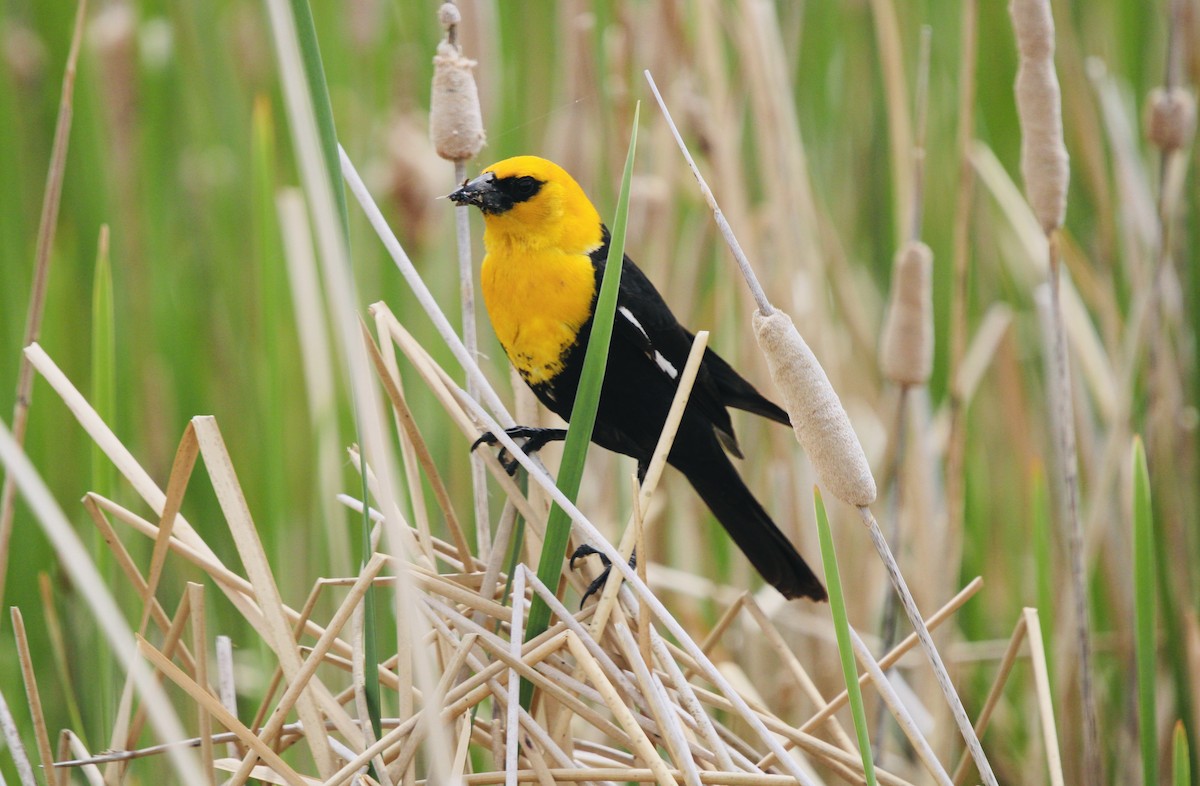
1144	616
837	605
1181	774
314	72
583	414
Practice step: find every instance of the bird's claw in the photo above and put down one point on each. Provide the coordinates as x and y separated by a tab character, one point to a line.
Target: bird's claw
535	439
586	551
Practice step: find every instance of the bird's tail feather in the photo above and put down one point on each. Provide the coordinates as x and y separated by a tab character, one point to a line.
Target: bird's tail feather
768	549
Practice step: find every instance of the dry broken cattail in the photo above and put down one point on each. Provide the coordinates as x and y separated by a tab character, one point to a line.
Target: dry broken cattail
455	120
817	415
906	348
1170	118
1044	161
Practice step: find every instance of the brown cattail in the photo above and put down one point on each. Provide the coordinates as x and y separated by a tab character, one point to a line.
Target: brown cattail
817	415
906	348
455	121
1170	118
1044	161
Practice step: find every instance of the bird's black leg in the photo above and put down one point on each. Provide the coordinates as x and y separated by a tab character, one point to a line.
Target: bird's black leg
584	551
535	440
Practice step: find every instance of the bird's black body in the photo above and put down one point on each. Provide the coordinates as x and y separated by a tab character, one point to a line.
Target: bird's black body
637	392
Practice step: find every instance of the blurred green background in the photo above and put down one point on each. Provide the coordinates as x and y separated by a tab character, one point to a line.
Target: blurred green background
163	150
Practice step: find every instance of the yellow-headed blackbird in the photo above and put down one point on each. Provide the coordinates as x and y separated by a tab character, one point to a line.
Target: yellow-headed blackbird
546	251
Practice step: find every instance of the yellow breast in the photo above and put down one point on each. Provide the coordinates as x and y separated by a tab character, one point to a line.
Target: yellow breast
537	301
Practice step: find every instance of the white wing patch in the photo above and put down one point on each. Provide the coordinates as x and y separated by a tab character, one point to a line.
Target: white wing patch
625	312
663	363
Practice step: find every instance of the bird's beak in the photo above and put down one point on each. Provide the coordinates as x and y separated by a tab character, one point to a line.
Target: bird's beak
474	192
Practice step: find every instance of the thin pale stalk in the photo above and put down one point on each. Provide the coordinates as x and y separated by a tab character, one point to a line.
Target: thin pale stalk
47	224
466	295
941	675
33	697
1063	428
200	648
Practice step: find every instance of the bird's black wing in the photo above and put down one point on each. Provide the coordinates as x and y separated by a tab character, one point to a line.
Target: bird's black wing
644	320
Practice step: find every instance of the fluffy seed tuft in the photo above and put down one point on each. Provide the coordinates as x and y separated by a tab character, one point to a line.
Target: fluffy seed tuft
820	422
906	347
1044	160
455	120
1170	118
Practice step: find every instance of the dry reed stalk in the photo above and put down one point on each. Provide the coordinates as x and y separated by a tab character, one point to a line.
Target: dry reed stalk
317	362
438	383
47	225
408	451
33	697
200	647
227	688
127	729
78	565
90	771
258	569
420	549
16	748
132	574
388	372
775	641
616	705
241	592
654	469
895	93
298	682
58	648
305	613
1027	627
1041	678
205	699
900	714
339	287
516	635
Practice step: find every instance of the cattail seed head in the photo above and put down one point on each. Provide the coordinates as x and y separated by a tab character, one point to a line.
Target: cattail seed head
820	422
1044	160
906	347
448	14
1170	118
455	120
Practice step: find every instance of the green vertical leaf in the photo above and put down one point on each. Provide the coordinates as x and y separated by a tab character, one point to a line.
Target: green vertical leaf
1144	612
841	624
1181	770
583	413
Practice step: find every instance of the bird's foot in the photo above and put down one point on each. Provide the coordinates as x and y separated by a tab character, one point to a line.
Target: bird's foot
535	439
584	551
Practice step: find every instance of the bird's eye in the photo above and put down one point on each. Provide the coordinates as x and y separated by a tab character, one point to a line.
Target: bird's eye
526	186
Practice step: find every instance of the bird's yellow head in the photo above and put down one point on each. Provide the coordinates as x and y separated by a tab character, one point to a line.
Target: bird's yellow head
530	202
